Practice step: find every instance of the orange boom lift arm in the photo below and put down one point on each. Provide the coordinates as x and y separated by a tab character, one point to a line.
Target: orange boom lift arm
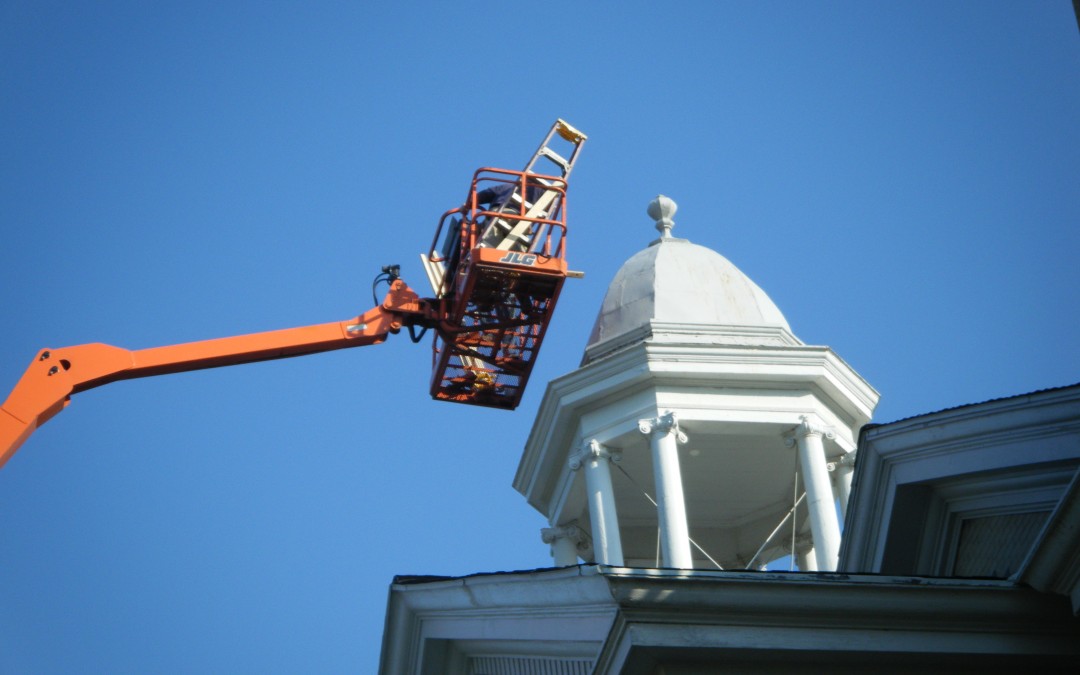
55	374
496	266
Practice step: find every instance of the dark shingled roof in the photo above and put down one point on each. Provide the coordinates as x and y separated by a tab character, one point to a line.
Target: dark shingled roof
968	405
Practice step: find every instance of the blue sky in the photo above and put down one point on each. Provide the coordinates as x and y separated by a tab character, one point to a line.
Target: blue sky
900	177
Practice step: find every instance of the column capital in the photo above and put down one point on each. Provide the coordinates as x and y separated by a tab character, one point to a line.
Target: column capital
811	426
568	543
571	532
845	460
808	426
667	422
594	449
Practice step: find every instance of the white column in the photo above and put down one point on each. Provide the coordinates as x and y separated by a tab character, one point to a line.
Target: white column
841	469
805	557
607	545
565	542
664	434
824	525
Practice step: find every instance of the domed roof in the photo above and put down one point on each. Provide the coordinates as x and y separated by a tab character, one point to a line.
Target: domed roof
674	281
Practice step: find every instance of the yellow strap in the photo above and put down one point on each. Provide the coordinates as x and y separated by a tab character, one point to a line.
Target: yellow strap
568	132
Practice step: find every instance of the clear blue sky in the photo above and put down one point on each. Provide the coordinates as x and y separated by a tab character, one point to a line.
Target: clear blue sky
902	178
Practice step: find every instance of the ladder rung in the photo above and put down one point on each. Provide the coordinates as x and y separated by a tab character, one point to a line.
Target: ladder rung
555	157
517	198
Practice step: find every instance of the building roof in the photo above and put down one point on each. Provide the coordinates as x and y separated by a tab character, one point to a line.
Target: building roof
600	620
952	408
988	489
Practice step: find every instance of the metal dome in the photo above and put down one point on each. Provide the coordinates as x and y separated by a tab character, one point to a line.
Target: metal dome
674	281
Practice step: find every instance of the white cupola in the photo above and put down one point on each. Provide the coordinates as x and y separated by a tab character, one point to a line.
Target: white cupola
674	284
699	432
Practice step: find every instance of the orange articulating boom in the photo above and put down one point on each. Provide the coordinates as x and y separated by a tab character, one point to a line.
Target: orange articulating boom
497	266
55	374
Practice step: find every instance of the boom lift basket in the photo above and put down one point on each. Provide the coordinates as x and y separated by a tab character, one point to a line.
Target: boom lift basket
500	265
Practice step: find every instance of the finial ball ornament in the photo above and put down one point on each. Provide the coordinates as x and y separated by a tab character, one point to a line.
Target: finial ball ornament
661	210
